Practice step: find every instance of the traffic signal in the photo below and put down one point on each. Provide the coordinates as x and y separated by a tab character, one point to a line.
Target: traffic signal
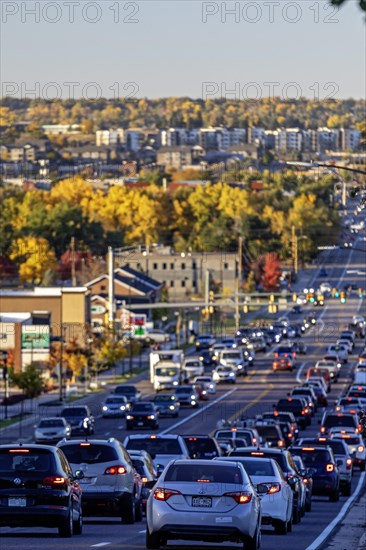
211	296
272	308
245	308
335	293
294	297
343	297
360	293
272	298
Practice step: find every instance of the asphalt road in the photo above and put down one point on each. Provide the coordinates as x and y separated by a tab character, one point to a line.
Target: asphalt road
251	395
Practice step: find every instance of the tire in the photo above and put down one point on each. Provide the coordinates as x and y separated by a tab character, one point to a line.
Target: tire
362	467
78	525
308	506
280	527
175	415
296	517
152	540
138	510
347	490
66	528
253	543
128	509
334	496
289	525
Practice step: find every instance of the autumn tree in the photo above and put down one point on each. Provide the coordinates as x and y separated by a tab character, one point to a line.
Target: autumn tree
34	257
271	272
30	380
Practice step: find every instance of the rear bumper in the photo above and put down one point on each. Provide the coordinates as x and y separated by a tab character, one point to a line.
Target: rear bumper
324	486
35	516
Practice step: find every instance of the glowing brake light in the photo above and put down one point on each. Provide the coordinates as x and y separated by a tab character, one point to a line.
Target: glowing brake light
273	488
349	464
281	443
84	444
234	429
329	467
241	497
192	439
255	453
54	480
308	449
322	438
18	450
164	494
360	449
115	470
152	436
322	429
144	479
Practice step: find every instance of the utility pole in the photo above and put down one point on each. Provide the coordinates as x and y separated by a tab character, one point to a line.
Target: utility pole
73	271
238	282
295	260
207	288
111	289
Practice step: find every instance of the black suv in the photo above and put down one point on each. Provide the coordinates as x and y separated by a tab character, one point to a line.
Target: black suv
131	393
142	414
39	489
286	462
80	419
202	446
297	406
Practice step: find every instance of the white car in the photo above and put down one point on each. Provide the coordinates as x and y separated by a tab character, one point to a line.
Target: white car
204	500
331	366
339	349
325	288
192	367
277	503
115	405
208	382
346	343
51	430
233	358
356	447
224	374
360	374
157	336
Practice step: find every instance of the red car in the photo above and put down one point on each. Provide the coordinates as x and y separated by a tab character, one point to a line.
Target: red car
201	391
282	363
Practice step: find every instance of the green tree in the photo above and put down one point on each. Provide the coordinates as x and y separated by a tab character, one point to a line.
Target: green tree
30	380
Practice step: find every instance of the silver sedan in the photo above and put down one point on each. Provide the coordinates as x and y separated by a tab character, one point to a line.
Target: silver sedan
204	500
51	430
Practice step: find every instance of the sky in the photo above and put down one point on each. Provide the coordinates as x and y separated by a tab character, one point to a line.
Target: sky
237	50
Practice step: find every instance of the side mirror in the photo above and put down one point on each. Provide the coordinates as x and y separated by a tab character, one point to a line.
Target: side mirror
262	489
292	481
153	455
150	484
79	474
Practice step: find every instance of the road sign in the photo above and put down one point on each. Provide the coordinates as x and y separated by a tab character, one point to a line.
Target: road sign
282	304
98	310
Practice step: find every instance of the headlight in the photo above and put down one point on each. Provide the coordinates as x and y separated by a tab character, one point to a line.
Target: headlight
193	397
151	417
171	407
201	358
231	374
204	392
240	366
122	407
105	408
211	386
175	383
193	402
129	417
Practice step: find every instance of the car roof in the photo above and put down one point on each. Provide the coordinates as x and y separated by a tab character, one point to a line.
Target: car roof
110	441
31	446
157	436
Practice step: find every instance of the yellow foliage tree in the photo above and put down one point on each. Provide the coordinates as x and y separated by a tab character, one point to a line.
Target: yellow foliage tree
34	257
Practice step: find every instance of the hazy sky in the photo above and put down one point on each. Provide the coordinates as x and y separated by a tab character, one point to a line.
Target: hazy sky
182	48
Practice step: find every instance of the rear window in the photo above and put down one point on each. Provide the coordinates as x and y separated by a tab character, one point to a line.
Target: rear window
89	453
155	446
351	441
139	466
342	420
313	457
75	411
124	390
199	447
26	460
195	472
293	406
258	468
268	432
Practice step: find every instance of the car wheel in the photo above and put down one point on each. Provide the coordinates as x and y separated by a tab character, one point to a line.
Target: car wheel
78	525
138	510
152	540
128	511
346	490
334	496
253	543
296	517
289	525
175	415
280	527
308	505
362	466
66	528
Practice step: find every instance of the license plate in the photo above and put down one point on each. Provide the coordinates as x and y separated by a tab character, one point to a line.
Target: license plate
21	502
85	480
140	423
202	502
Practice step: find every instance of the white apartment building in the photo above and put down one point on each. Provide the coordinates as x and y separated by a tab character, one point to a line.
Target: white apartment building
327	139
109	137
255	134
59	129
350	139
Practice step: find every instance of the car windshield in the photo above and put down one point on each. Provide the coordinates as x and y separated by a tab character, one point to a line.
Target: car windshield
26	460
52	423
339	420
201	447
154	447
231	355
207	473
143	407
75	411
89	453
183	390
166	371
164	398
257	467
192	364
114	400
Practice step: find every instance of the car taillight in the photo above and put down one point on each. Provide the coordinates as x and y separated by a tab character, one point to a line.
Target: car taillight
322	430
115	470
144	479
337	408
54	481
329	467
272	487
164	494
281	443
276	355
241	497
349	464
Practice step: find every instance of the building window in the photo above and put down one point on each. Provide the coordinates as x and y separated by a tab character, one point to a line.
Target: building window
226	265
103	287
183	265
172	266
171	283
164	266
183	283
194	284
194	265
155	265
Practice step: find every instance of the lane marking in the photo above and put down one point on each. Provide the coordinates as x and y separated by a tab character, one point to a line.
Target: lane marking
199	411
346	506
100	544
143	531
298	376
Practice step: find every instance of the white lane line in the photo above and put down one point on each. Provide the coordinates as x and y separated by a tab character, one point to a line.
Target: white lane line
298	376
199	411
343	511
100	544
143	531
